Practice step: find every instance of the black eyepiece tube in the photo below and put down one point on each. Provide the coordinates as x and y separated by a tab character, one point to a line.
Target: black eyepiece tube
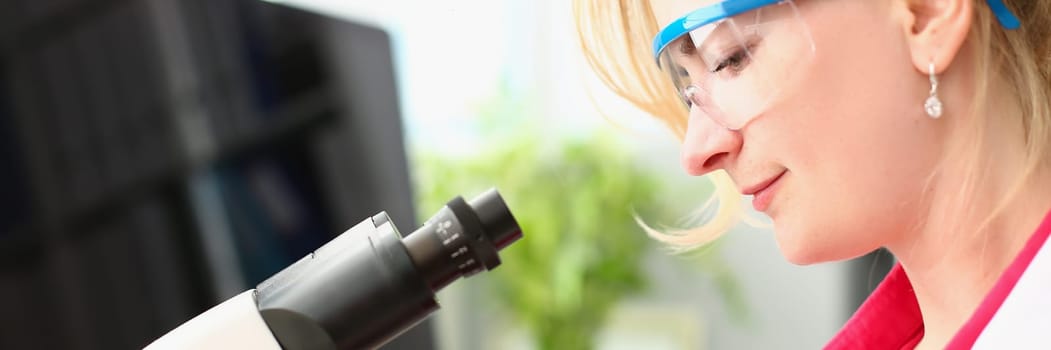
462	239
368	285
498	224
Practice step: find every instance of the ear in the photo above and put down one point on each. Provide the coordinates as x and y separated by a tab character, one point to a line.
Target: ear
936	30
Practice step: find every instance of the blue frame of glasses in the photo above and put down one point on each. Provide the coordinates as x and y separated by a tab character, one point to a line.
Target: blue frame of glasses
728	8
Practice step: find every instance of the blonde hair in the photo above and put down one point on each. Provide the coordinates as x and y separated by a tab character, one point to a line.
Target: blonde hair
615	36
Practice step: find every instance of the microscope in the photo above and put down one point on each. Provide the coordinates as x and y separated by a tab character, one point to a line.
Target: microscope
361	289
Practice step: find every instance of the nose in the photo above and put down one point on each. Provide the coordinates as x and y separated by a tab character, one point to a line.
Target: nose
707	146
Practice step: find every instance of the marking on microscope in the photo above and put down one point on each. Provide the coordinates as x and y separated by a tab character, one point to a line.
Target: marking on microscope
467	264
451	239
458	252
443	227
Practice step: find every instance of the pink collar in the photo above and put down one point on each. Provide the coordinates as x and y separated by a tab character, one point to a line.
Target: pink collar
890	317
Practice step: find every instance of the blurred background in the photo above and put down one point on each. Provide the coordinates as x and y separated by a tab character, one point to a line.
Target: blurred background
161	156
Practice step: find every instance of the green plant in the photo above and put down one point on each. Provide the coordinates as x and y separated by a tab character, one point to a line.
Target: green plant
582	250
576	199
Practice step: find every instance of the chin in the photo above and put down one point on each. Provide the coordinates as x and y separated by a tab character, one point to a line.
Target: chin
802	256
803	247
793	247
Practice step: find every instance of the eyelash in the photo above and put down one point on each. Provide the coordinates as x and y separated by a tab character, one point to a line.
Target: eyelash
735	61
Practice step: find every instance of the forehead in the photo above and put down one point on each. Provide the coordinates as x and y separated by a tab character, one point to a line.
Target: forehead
667	11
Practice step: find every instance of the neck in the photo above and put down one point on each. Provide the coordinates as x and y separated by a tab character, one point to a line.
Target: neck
956	256
952	270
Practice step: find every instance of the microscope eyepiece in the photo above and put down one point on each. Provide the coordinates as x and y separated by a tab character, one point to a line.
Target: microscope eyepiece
462	238
497	222
368	285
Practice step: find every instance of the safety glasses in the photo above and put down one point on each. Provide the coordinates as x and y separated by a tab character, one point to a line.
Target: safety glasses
730	60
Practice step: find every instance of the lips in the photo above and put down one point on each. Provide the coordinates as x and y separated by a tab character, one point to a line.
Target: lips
763	192
752	190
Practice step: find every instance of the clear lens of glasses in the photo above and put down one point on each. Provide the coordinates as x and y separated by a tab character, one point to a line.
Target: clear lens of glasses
732	69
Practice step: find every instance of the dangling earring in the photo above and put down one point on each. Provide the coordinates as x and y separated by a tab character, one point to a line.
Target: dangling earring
933	105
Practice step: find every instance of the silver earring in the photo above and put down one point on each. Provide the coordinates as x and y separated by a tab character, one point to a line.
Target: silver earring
933	105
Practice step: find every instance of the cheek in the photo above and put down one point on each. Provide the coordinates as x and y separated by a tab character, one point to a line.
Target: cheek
858	146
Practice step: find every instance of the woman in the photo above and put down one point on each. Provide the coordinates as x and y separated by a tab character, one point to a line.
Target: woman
920	126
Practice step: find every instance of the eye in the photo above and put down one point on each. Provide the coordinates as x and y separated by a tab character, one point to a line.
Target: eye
735	62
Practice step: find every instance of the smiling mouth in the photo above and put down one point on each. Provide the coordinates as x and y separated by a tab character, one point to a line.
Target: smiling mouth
752	190
763	193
